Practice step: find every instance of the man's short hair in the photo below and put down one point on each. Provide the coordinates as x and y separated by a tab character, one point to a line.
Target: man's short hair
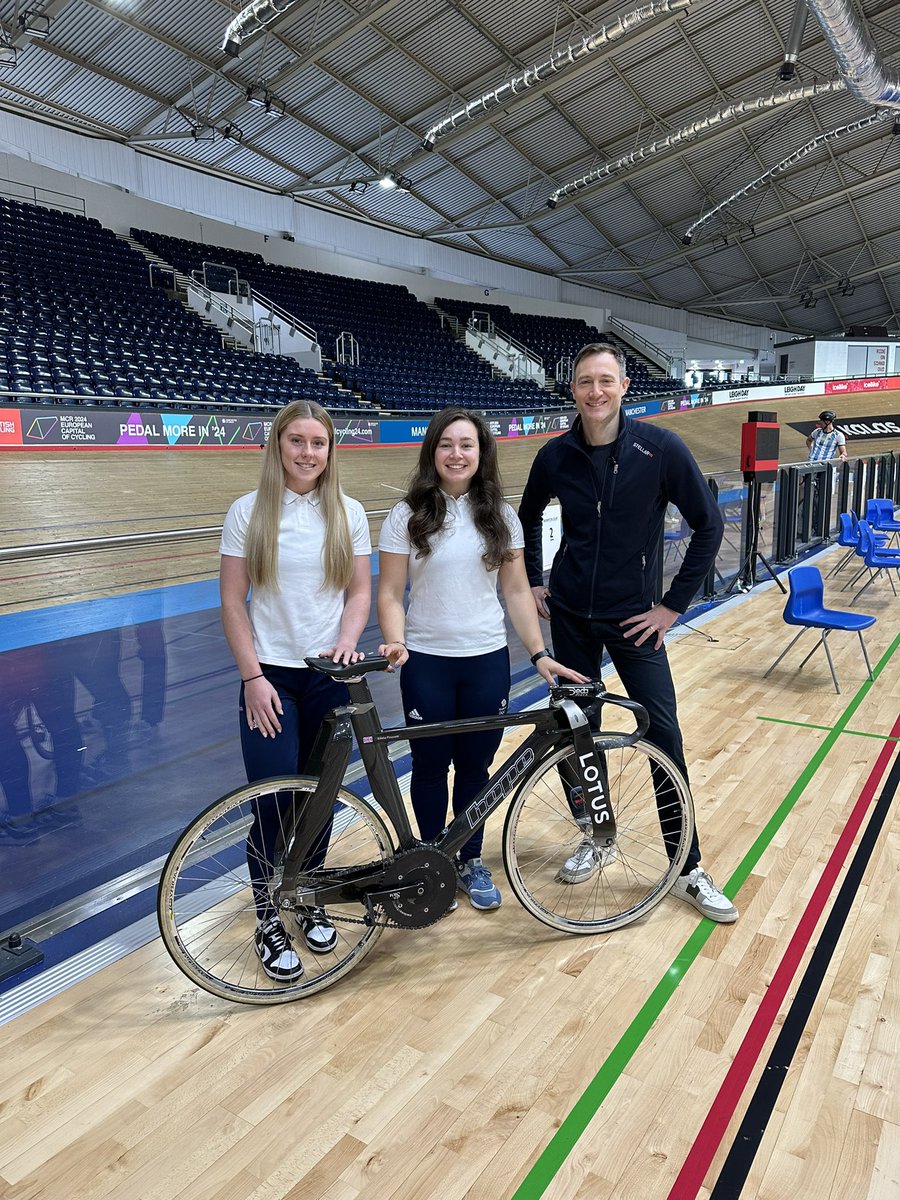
601	348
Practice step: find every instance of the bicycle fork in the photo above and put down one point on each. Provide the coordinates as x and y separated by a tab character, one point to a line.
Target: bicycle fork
591	776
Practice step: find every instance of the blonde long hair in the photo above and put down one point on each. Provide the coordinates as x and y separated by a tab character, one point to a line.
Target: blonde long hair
262	532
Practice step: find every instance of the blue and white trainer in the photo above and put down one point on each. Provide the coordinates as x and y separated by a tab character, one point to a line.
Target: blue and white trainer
475	880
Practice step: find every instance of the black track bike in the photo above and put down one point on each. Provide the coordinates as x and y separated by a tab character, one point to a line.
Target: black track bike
611	799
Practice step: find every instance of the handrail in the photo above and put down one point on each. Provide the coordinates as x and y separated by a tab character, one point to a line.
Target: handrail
494	330
294	322
212	298
121	541
636	338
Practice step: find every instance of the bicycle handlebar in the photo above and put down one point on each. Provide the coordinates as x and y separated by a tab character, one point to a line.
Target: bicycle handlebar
593	695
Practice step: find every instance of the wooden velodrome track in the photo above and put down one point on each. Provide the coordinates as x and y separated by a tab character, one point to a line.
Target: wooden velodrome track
488	1057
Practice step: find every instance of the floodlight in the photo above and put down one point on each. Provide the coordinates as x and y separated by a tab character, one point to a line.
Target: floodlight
36	25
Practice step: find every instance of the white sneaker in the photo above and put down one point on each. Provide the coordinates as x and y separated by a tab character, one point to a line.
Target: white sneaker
585	862
698	889
276	952
318	932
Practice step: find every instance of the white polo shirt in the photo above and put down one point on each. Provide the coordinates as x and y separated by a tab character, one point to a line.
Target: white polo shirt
303	617
454	609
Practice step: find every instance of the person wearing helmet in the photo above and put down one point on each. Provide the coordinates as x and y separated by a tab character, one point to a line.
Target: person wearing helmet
825	441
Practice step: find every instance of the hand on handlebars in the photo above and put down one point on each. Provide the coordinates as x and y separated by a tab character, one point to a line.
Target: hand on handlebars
548	667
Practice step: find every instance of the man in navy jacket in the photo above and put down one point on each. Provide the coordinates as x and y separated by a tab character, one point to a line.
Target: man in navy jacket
614	478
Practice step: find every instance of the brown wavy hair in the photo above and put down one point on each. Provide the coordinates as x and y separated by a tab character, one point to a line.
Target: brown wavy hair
429	504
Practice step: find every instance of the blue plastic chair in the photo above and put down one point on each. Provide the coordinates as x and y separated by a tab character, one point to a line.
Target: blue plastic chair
806	607
848	537
877	558
880	515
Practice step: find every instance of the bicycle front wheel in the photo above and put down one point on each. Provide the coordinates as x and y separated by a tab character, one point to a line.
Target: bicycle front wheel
206	907
552	864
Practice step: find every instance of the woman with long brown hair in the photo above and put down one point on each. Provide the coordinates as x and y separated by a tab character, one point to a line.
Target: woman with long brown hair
454	538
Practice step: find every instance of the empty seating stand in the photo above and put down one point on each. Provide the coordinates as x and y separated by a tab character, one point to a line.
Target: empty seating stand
406	361
560	338
81	323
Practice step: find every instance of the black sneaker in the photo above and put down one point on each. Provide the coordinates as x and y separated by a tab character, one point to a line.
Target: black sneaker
318	932
276	952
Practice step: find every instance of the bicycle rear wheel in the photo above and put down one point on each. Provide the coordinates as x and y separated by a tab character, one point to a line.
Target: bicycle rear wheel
206	910
542	837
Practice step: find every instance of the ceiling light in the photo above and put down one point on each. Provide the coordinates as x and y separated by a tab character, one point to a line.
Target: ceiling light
257	96
391	181
232	133
687	239
8	55
359	185
274	107
36	25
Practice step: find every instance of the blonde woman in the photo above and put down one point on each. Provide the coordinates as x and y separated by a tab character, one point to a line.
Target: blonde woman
301	548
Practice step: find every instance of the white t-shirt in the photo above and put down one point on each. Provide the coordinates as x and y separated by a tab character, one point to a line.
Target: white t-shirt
453	604
301	618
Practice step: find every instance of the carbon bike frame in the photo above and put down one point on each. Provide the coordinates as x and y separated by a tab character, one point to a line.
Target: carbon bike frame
563	722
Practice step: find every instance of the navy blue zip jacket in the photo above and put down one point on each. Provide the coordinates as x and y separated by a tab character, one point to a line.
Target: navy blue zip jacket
612	520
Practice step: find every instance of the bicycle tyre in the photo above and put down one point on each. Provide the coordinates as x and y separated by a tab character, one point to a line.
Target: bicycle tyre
205	906
541	833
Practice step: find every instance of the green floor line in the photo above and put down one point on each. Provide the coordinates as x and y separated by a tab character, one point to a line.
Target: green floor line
881	737
566	1137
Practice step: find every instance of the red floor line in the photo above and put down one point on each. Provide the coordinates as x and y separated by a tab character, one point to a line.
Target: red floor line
700	1156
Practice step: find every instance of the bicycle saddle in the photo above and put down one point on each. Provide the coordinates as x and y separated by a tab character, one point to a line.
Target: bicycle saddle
377	662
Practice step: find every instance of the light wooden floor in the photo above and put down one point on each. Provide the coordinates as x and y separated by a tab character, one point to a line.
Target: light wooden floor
489	1057
449	1062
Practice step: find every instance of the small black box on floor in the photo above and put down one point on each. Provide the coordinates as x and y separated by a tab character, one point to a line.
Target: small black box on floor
18	954
760	435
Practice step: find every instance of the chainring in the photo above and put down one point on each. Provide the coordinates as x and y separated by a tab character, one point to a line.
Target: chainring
432	875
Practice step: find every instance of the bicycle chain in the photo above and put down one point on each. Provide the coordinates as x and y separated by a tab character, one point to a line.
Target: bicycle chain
438	865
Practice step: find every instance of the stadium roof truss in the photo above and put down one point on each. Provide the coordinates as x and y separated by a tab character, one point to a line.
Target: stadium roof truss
734	157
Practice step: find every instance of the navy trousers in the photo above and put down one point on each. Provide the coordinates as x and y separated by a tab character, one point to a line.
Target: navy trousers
441	689
306	696
645	674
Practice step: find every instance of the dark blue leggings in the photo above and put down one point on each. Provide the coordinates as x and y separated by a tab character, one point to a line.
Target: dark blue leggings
306	696
441	689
